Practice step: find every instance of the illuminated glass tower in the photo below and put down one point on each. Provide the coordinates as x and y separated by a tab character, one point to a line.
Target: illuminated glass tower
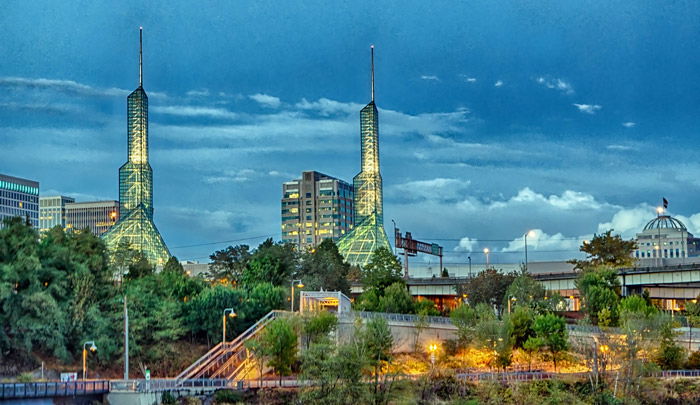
368	232
136	225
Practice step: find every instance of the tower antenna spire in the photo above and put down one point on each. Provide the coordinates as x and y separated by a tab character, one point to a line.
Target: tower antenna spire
372	57
140	56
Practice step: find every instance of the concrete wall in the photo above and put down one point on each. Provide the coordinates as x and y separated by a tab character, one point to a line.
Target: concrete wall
404	335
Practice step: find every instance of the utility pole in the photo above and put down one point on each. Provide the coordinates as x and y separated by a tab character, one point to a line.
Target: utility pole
126	341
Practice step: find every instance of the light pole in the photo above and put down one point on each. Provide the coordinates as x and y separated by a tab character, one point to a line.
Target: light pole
432	349
230	312
92	349
470	266
513	299
531	234
299	284
486	252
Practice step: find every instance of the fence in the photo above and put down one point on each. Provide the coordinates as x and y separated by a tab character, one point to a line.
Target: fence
53	389
167	384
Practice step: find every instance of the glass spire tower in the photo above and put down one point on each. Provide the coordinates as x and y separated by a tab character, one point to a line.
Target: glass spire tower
135	225
368	232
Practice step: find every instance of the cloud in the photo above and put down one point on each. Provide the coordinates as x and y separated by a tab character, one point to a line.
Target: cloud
266	100
430	77
556	84
466	244
498	83
628	221
629	124
541	241
49	108
467	78
326	107
198	93
443	189
62	86
623	148
194	111
588	108
567	200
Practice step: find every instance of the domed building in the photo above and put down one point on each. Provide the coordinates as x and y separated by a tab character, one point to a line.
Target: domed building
665	237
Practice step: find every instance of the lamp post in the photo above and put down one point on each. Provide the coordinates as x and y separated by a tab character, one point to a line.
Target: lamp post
231	313
531	234
486	252
513	299
92	349
299	284
470	265
432	348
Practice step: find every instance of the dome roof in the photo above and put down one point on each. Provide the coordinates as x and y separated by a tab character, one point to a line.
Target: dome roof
665	222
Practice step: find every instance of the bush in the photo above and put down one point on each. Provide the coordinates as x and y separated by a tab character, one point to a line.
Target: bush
25	377
693	362
227	397
167	398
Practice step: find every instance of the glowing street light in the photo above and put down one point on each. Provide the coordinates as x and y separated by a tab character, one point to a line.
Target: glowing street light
299	284
486	252
511	299
93	349
231	314
432	348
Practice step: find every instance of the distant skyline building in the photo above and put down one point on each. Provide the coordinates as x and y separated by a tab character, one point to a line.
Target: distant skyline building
315	207
368	232
136	226
665	241
52	211
98	216
19	198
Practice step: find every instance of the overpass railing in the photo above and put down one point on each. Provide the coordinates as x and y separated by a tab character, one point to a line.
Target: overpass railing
168	384
52	389
399	317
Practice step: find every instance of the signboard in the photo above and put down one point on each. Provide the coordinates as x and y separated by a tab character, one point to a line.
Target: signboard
69	377
148	374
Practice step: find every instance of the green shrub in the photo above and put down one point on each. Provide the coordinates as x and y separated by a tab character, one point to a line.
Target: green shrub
25	377
693	362
227	397
167	398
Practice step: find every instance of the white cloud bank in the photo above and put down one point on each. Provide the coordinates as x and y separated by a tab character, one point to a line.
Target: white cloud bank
588	108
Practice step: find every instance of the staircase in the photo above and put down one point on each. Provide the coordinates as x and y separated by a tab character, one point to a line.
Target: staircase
230	360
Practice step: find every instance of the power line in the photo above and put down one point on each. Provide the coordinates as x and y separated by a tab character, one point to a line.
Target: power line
223	241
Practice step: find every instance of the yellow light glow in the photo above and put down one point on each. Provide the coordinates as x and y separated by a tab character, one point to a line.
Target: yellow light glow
532	234
486	250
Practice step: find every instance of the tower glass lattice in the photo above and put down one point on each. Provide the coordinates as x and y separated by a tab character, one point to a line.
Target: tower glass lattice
135	226
368	232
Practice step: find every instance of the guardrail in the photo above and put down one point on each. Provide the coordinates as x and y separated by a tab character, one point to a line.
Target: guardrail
400	317
166	384
53	389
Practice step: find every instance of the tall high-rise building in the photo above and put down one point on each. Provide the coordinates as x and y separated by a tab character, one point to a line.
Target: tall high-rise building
52	211
136	225
368	232
315	207
98	216
19	198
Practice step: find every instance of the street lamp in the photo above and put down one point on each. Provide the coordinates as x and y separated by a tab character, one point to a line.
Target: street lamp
470	265
486	252
232	314
513	299
299	284
93	348
531	234
432	348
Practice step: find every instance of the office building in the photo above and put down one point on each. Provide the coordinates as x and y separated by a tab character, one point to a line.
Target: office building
368	232
52	211
135	225
316	207
19	198
97	216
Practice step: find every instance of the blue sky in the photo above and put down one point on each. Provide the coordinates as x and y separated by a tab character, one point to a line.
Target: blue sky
495	117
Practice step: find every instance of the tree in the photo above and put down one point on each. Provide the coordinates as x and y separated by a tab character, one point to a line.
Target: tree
383	270
527	291
496	336
273	263
599	289
606	250
140	267
669	356
204	311
489	287
378	343
550	329
324	268
258	350
336	372
397	300
521	320
318	326
229	263
465	318
280	346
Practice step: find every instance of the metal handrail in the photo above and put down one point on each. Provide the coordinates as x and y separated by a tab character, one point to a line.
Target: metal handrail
52	389
401	317
166	384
